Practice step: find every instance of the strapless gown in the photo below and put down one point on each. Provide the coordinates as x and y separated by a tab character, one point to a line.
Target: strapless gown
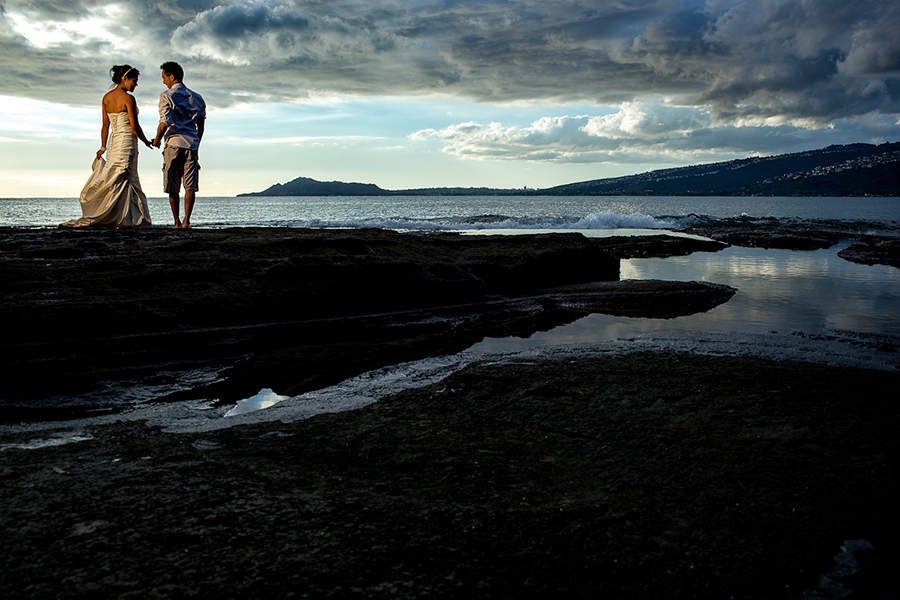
113	195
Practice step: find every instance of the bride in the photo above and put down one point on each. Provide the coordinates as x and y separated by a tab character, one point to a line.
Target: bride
113	195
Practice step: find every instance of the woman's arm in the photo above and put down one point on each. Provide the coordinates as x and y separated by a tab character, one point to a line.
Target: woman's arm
104	132
131	107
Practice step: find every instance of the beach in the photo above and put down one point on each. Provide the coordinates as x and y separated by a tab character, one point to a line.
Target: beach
701	466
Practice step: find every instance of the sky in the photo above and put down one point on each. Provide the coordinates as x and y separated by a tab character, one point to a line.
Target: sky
461	93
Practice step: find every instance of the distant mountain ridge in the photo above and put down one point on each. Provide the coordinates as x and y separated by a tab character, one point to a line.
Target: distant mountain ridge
849	170
304	186
852	170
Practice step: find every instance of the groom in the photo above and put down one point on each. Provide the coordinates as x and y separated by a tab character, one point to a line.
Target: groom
182	118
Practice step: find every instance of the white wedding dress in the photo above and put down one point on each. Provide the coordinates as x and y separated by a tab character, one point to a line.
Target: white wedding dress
113	195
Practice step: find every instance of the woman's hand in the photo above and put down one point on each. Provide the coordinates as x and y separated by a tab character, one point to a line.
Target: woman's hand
100	152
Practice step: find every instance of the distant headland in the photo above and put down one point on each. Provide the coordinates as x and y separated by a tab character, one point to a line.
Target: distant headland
847	170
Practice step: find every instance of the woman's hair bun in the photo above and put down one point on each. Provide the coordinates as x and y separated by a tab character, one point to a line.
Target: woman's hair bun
118	71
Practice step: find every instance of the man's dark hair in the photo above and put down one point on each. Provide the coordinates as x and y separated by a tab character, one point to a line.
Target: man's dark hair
174	69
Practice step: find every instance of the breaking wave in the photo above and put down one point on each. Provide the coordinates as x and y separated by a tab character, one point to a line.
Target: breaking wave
603	220
606	220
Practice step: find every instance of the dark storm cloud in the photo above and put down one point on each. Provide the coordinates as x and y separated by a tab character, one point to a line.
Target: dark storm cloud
816	59
238	21
802	59
738	63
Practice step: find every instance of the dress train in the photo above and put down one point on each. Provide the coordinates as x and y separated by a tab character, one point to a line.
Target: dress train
113	195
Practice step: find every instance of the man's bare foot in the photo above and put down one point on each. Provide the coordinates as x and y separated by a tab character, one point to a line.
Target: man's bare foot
186	225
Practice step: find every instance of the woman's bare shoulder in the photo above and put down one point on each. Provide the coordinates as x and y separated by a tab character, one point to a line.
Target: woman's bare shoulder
110	102
117	101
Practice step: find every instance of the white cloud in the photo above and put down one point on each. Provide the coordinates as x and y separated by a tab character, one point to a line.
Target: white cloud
100	25
648	118
650	131
637	130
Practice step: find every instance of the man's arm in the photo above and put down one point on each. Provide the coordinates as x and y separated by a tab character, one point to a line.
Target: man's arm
157	141
201	127
165	116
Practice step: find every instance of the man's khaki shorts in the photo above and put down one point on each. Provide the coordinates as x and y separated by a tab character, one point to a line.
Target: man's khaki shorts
180	164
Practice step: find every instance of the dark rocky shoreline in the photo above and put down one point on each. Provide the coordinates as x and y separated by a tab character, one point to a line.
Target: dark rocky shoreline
164	314
652	474
867	249
877	252
291	309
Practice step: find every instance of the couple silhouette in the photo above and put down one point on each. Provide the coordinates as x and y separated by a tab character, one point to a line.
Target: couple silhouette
113	196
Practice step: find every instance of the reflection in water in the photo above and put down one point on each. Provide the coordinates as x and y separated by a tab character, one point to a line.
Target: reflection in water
778	290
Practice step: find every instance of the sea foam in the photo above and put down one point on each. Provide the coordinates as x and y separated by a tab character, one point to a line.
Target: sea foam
596	221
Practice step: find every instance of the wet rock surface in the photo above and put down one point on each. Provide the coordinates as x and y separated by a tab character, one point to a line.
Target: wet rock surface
783	238
875	252
645	475
128	316
868	249
657	246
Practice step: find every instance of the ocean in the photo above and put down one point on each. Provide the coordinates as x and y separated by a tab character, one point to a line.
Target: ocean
789	303
480	213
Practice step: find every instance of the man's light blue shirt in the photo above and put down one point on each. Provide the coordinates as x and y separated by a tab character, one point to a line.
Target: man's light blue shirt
180	109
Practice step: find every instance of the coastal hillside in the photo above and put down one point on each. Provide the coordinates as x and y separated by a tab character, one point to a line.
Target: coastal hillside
852	170
849	170
304	186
